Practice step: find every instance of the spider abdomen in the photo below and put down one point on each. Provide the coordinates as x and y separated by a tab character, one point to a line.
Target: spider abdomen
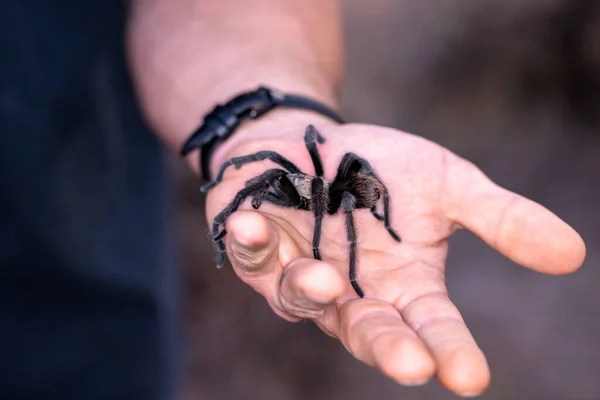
366	191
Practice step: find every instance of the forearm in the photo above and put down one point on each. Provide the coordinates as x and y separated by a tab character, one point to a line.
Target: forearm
188	55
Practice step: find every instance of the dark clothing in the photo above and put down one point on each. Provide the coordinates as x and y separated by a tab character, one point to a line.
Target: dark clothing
88	287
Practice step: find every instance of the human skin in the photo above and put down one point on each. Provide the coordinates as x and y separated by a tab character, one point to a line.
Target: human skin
188	55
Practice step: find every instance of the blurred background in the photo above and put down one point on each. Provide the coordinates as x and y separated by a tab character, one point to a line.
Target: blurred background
512	85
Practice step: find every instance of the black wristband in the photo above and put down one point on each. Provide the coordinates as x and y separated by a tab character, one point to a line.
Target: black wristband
223	120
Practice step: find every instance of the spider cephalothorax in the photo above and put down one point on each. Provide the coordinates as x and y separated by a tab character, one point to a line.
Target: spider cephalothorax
355	186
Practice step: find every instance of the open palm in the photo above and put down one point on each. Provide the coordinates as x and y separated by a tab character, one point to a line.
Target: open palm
406	325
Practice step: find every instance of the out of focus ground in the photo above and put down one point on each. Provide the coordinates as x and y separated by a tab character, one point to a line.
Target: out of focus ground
511	85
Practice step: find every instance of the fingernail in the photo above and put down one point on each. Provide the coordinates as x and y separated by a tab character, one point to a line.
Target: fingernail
415	383
470	394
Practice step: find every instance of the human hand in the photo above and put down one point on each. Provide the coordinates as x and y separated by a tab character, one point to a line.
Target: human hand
406	326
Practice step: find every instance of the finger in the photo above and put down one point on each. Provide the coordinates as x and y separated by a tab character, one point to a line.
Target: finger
522	230
374	332
307	286
252	243
462	367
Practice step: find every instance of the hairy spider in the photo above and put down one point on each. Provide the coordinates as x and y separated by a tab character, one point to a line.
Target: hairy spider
355	186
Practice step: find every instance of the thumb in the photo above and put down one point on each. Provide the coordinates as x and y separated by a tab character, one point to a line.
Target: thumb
253	244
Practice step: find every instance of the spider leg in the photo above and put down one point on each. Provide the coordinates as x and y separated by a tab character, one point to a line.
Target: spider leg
375	214
238	162
353	163
319	201
311	138
318	195
253	187
348	202
386	213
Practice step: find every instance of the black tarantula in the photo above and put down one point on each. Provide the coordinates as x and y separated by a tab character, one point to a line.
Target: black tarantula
355	186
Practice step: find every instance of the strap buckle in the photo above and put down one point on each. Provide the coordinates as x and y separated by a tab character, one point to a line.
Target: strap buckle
225	118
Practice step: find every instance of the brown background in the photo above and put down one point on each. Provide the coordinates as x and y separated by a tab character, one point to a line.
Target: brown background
509	84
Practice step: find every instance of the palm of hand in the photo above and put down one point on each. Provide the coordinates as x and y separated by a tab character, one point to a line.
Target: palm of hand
406	326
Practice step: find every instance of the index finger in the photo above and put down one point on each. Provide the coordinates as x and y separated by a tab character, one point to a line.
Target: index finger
521	229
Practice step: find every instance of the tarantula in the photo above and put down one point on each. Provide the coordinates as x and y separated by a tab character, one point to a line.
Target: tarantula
355	186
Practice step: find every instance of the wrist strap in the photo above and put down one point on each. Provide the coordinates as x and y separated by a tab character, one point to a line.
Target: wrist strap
223	120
